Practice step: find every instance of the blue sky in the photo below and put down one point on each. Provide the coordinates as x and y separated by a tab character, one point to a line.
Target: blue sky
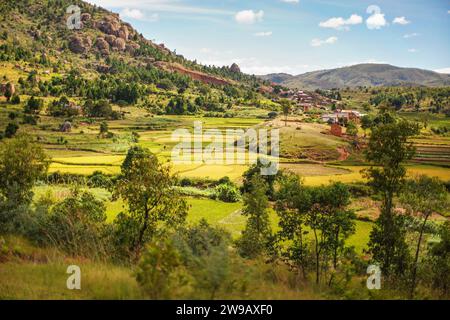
296	36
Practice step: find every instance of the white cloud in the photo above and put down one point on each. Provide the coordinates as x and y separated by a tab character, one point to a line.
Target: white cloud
340	23
263	34
132	13
377	19
318	42
174	6
290	1
448	11
401	20
411	35
443	70
249	16
412	50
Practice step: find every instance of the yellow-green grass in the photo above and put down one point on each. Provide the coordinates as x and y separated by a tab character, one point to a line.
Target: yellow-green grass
83	170
19	280
311	169
355	174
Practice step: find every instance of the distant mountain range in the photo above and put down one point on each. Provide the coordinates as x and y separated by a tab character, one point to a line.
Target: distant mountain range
368	74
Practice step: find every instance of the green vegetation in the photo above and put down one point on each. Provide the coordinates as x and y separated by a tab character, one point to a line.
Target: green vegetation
86	176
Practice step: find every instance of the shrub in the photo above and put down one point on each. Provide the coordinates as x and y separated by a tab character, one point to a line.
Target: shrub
77	225
99	180
228	193
33	105
15	99
11	129
160	272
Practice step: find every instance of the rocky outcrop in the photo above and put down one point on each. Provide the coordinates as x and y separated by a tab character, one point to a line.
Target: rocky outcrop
119	44
110	39
123	33
110	25
85	17
102	45
132	47
8	89
66	127
235	68
79	44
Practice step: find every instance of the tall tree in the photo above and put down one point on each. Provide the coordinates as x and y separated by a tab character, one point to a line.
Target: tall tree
257	231
293	201
153	204
22	163
422	196
388	149
286	106
329	221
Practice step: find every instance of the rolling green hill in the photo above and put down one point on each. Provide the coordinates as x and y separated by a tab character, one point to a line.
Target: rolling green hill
370	75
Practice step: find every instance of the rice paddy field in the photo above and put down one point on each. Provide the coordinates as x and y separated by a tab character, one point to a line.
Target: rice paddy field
305	148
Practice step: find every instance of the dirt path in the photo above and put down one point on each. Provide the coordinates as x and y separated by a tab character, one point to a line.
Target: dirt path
343	154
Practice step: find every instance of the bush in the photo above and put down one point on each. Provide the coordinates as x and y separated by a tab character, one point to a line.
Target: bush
77	225
33	105
160	272
15	99
30	119
272	114
359	189
99	180
11	129
228	193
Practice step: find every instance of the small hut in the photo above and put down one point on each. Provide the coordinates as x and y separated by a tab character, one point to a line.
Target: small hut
336	130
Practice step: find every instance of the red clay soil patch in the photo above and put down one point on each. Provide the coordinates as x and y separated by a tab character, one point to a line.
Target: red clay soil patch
343	154
196	75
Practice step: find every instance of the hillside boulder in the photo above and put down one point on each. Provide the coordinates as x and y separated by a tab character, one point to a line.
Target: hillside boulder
85	17
132	47
119	44
110	25
110	39
78	44
123	33
102	44
235	68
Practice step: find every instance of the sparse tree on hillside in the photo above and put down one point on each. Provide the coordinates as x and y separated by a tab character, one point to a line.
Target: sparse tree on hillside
423	196
257	231
153	205
22	163
286	106
388	149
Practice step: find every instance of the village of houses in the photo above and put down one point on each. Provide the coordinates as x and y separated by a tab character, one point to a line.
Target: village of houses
309	101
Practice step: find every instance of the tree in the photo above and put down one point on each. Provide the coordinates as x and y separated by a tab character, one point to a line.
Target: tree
34	105
352	129
227	192
292	202
205	251
103	128
153	204
286	107
329	221
11	129
439	257
159	271
257	231
388	149
256	170
366	122
422	196
22	163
